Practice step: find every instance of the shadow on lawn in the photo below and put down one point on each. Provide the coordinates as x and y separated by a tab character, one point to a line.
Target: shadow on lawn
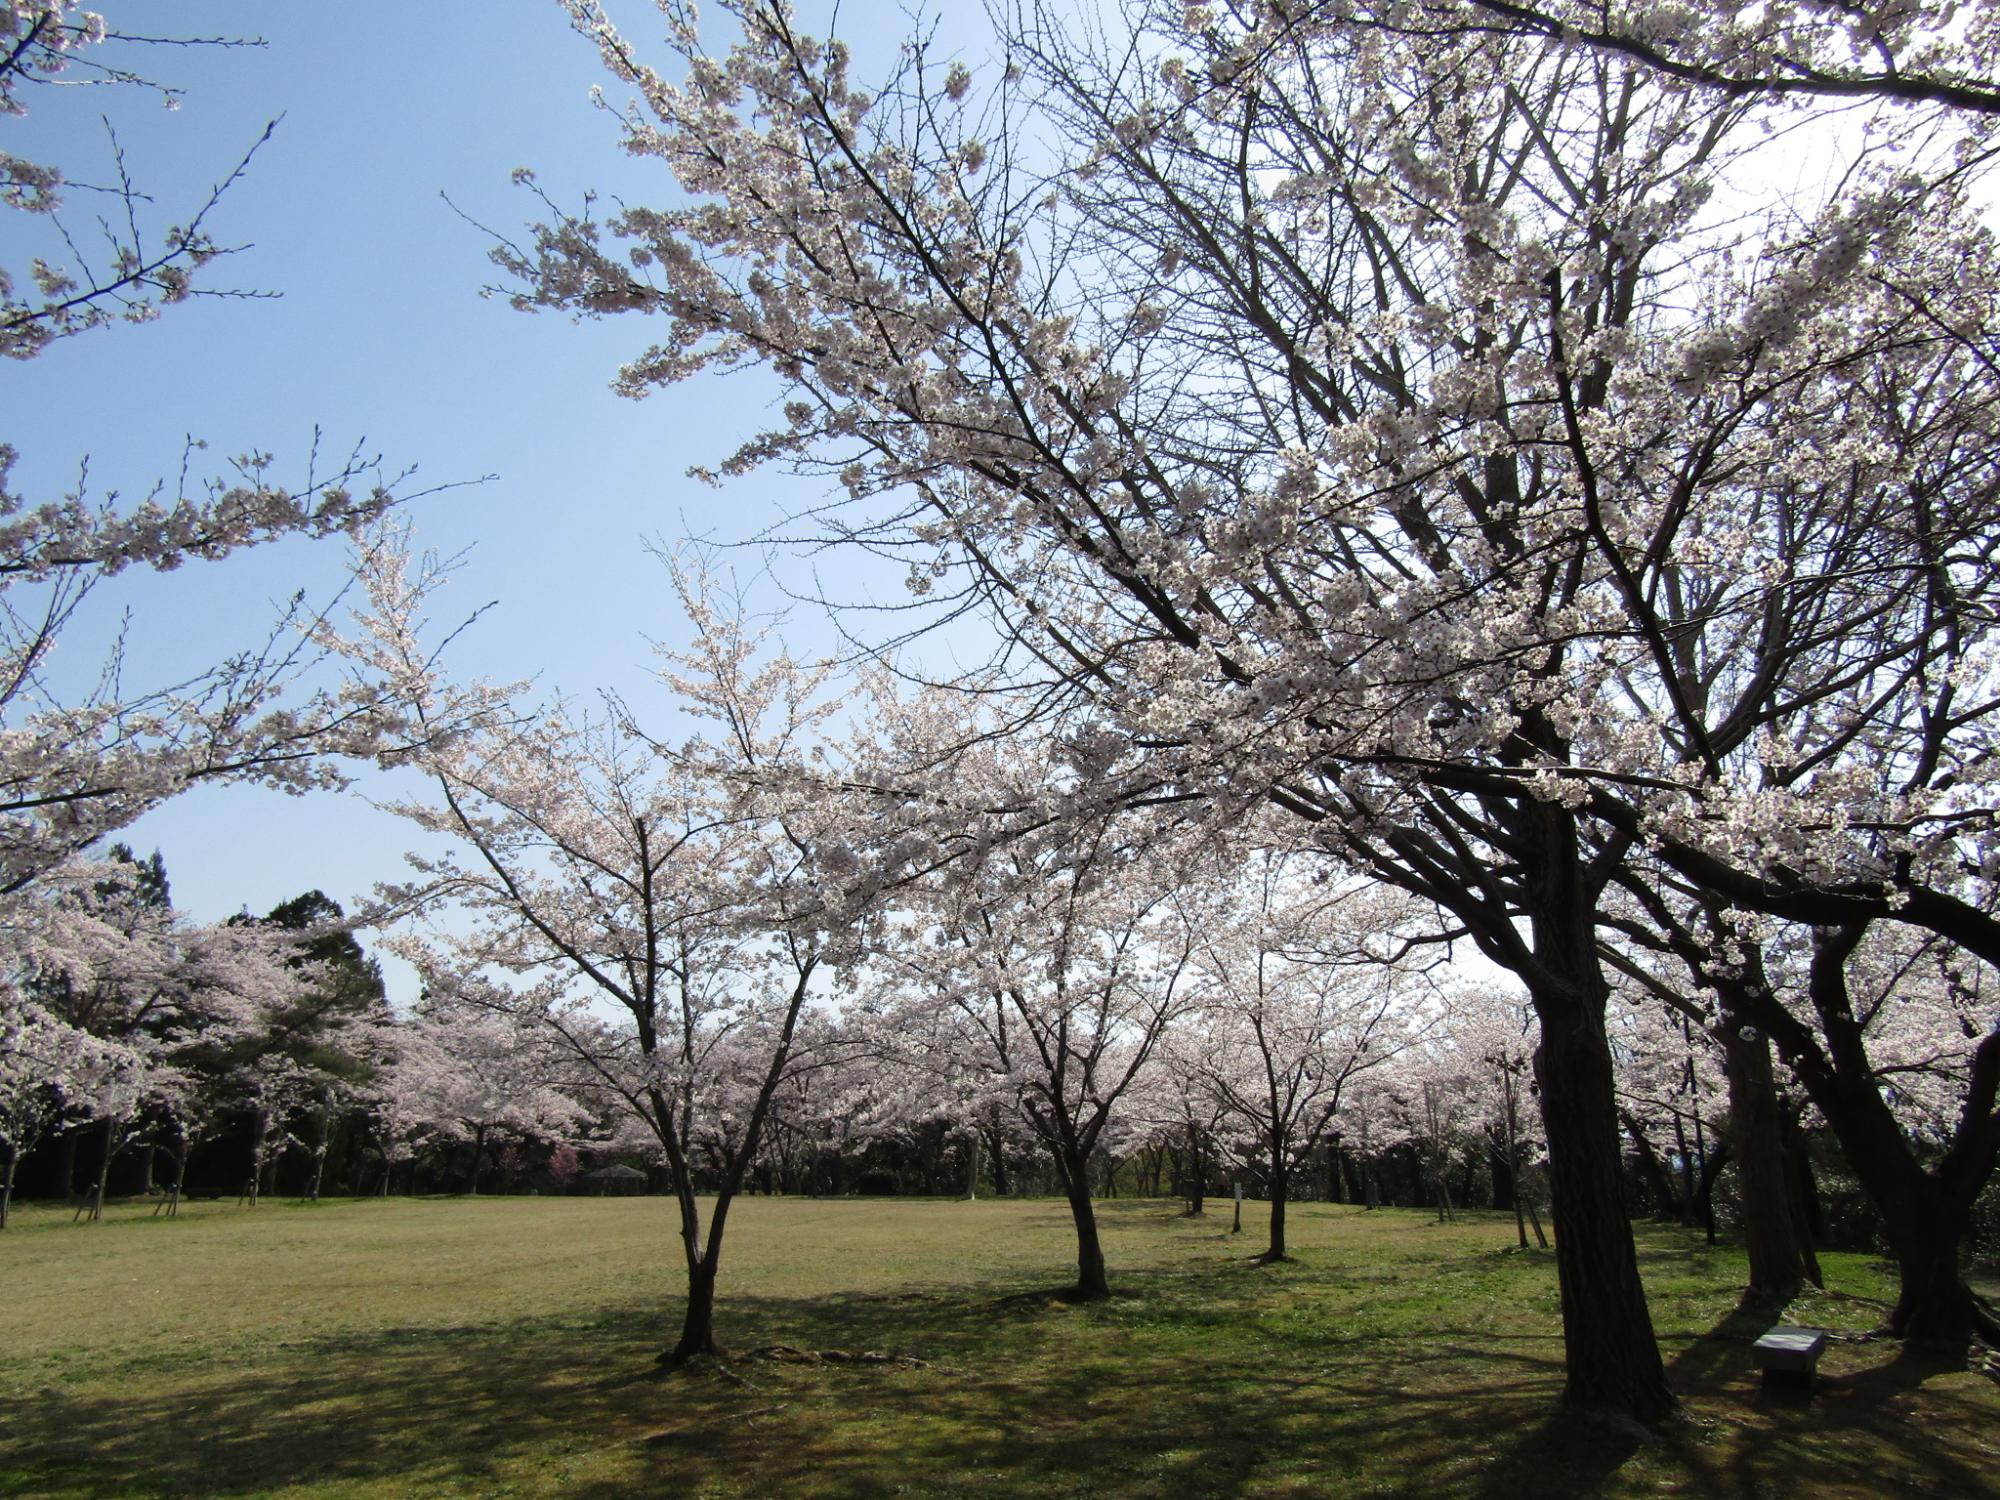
1856	1434
1178	1388
1021	1396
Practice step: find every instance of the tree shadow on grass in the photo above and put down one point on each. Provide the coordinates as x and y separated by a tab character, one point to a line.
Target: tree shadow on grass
1181	1387
1058	1400
1880	1422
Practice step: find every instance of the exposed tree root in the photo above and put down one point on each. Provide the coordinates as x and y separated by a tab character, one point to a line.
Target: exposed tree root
706	1362
791	1354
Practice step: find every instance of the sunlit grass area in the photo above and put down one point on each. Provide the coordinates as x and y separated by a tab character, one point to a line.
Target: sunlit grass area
503	1347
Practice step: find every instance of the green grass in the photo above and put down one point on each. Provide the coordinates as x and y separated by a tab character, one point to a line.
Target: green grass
502	1347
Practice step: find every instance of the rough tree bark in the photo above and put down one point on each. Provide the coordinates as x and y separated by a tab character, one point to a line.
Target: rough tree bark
1612	1359
1781	1253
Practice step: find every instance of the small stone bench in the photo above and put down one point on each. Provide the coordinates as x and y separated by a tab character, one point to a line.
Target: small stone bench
1788	1356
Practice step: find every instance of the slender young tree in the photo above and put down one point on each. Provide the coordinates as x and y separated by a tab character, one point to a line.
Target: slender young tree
1053	966
1307	988
656	911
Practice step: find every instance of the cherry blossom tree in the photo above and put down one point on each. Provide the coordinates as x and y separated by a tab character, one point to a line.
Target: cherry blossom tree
1403	424
83	757
1052	966
1184	1110
48	47
1874	1025
1308	987
1919	54
1494	1032
128	1002
471	1075
654	910
46	1073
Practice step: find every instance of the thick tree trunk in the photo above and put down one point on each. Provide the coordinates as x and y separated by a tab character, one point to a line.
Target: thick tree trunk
7	1186
478	1150
1072	1164
1499	1174
1280	1183
1092	1283
1611	1359
971	1165
1934	1307
698	1325
1781	1253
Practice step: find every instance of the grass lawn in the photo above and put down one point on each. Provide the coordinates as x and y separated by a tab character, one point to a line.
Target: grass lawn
502	1347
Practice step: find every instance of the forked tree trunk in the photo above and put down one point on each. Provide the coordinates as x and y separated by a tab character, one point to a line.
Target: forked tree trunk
171	1204
1926	1208
1666	1202
698	1322
703	1257
103	1170
1535	1218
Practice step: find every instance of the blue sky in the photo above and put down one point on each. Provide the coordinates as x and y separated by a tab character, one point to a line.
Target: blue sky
379	336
